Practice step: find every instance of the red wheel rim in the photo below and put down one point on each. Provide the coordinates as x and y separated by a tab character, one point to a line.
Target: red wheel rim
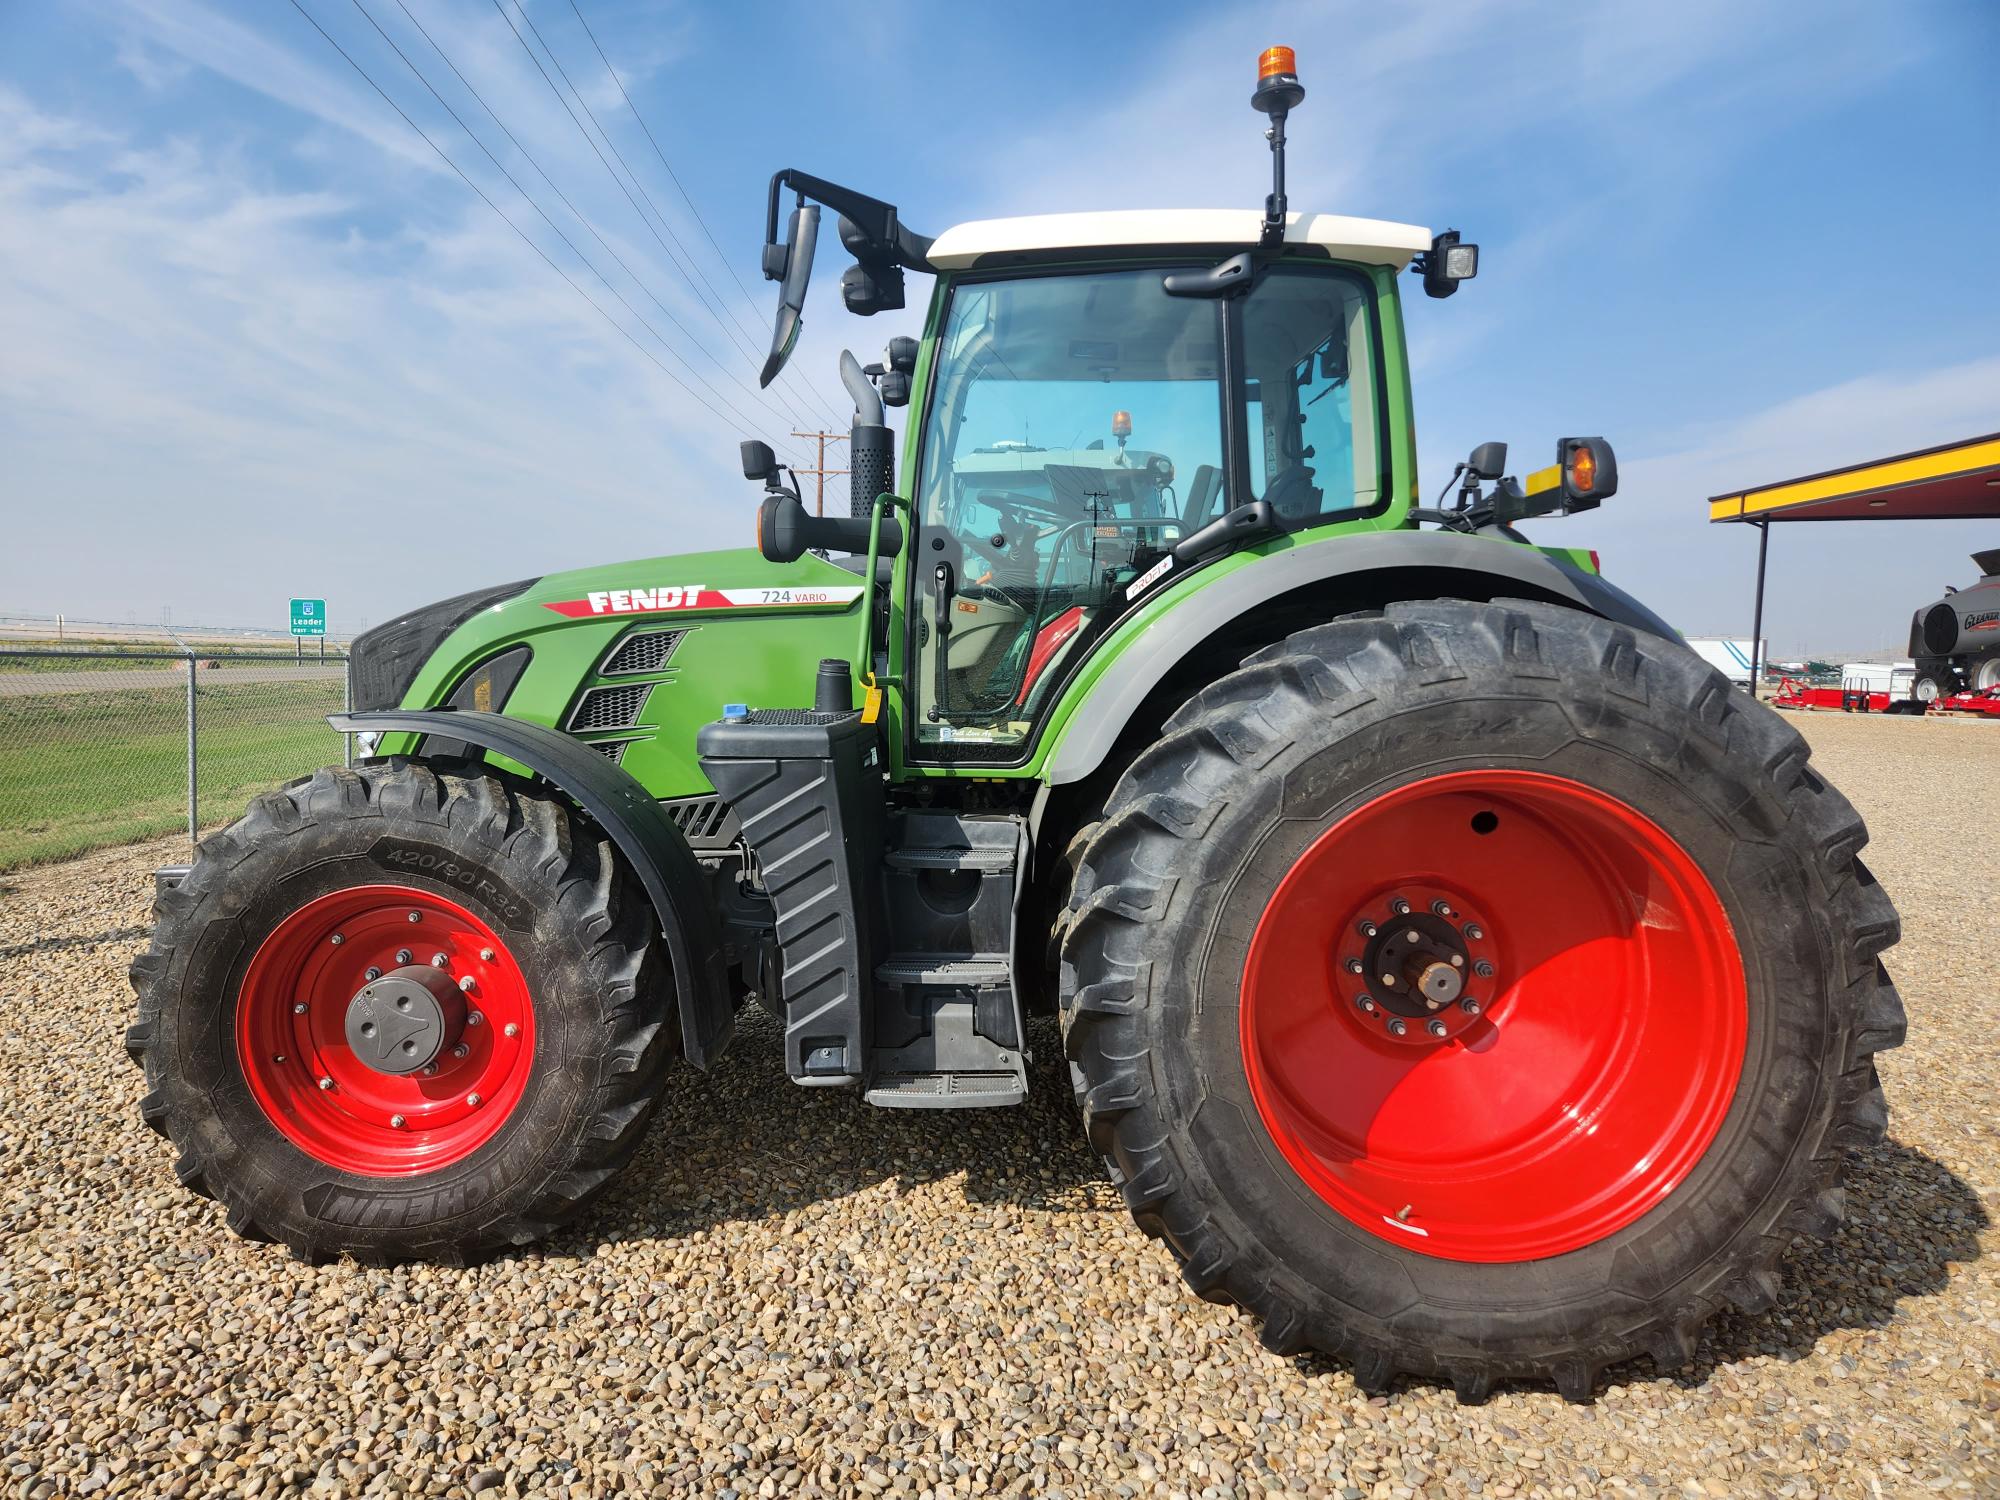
1571	1088
292	1039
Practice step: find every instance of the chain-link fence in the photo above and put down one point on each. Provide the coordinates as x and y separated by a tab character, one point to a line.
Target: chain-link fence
111	745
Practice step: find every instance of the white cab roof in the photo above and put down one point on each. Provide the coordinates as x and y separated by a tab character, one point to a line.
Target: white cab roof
1370	241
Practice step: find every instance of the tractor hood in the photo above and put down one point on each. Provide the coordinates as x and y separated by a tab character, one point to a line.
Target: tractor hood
416	659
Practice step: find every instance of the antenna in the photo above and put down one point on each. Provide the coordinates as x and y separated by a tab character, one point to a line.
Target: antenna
1279	92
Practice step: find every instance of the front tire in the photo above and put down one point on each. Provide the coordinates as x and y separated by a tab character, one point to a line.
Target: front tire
1652	1085
401	1014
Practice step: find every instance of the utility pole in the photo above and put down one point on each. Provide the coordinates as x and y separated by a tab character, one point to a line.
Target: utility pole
822	472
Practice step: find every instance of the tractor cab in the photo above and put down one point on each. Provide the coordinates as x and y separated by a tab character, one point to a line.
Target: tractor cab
1102	405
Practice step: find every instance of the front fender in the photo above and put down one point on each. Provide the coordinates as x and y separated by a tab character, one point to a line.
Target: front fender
1097	715
651	843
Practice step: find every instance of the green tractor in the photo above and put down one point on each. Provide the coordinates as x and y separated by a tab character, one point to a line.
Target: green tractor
1450	968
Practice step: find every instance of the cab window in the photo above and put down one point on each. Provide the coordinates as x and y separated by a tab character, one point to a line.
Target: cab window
1310	410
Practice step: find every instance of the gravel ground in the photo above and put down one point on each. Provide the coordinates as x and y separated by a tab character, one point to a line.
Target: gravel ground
792	1293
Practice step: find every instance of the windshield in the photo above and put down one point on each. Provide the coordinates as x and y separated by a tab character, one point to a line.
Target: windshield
1076	432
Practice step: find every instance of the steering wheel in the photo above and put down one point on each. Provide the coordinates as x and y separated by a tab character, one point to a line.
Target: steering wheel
1021	510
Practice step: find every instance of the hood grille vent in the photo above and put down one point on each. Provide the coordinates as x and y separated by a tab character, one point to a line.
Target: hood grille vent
641	651
610	707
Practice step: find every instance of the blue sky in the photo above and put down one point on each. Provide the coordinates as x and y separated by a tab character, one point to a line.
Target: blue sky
256	340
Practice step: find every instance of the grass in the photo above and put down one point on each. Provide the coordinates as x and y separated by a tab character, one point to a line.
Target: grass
145	656
82	771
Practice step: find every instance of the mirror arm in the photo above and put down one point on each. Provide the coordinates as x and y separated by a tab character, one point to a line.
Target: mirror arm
874	218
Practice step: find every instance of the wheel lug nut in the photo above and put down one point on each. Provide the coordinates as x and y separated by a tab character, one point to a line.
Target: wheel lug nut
279	1058
1389	979
325	1083
1367	929
1367	1005
466	984
1400	907
1483	968
1441	907
440	960
474	1018
337	939
511	1029
299	1008
486	955
1436	1028
460	1050
1474	931
395	1122
1355	966
403	955
1458	960
1397	1026
1469	1006
416	916
430	1070
473	1101
1411	936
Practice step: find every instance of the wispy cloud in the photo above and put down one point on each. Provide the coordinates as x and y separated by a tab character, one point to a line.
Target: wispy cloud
238	379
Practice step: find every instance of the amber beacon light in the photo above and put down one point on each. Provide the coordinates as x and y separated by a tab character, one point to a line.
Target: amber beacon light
1278	86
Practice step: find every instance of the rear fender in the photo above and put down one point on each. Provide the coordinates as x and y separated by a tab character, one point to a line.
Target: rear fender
1340	565
646	836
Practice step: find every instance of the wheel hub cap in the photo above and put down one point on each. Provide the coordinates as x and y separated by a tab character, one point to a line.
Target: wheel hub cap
398	1024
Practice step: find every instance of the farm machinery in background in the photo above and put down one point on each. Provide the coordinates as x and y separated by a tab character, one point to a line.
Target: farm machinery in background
1954	664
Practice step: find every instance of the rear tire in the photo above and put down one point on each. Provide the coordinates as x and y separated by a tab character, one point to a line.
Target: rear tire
1172	904
546	1067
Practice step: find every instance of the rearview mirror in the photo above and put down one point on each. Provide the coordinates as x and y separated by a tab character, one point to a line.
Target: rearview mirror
801	238
759	462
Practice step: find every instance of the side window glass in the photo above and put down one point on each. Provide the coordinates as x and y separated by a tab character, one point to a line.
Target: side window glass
1309	365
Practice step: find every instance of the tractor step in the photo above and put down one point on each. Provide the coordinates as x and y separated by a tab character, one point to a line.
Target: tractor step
948	1091
954	1062
947	1023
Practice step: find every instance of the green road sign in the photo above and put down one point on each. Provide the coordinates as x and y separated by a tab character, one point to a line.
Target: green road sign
308	617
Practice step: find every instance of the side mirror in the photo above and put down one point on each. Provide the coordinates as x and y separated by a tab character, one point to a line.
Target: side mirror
1446	264
1488	461
801	238
786	533
759	462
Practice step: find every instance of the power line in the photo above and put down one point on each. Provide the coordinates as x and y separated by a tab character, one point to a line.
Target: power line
672	176
637	280
509	222
553	226
823	472
684	269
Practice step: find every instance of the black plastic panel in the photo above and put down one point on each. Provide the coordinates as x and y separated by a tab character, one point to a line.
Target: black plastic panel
806	790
